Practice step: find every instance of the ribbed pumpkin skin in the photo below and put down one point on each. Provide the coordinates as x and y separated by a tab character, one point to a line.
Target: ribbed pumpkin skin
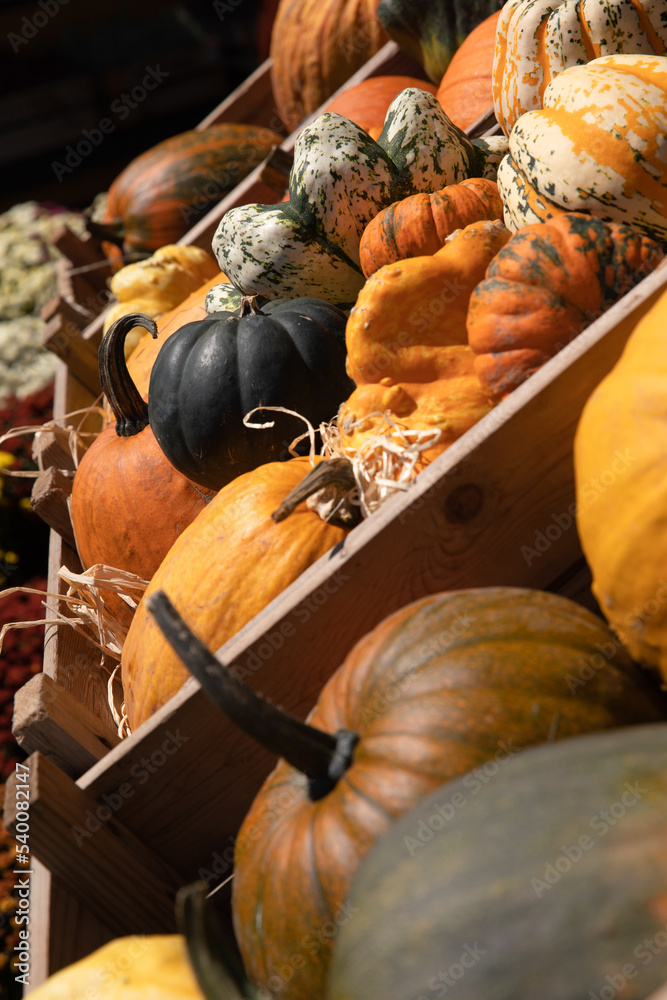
420	224
159	196
465	91
316	45
548	880
545	286
367	103
450	683
621	490
537	39
597	145
223	570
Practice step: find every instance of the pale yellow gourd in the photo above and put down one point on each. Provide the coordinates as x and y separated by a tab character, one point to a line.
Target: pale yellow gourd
151	967
158	284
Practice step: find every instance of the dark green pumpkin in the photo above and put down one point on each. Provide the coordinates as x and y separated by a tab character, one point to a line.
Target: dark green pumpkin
431	30
545	881
211	373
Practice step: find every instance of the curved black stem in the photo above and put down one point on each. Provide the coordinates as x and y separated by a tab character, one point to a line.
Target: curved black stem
219	976
319	755
129	409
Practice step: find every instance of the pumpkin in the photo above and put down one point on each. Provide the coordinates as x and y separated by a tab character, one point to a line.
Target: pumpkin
543	877
157	284
431	31
454	682
127	968
212	372
419	224
222	571
367	102
597	145
315	48
128	504
619	464
538	39
340	178
407	348
465	91
545	286
160	194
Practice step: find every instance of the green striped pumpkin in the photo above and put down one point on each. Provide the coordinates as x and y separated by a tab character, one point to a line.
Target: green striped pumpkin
598	146
340	179
537	39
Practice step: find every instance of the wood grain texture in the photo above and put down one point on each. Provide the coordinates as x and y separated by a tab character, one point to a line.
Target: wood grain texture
82	843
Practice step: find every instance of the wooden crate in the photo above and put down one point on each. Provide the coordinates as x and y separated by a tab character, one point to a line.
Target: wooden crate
115	829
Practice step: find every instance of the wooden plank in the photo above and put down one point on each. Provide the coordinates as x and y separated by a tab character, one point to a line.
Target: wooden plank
66	340
252	102
82	843
198	770
62	930
48	498
69	658
47	718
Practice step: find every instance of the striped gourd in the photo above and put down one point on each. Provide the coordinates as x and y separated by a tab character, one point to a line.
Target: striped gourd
599	145
537	39
341	178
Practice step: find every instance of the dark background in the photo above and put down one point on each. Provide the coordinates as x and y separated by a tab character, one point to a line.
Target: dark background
65	66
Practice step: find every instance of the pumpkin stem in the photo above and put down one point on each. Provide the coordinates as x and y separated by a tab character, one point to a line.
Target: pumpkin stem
218	975
249	306
110	232
129	409
333	479
320	756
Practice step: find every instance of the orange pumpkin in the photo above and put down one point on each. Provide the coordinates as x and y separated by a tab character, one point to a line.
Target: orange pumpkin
222	571
465	92
366	103
546	286
316	45
407	345
420	224
128	503
453	684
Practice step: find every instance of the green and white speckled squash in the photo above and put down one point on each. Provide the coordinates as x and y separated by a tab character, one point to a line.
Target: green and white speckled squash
537	39
599	145
340	179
